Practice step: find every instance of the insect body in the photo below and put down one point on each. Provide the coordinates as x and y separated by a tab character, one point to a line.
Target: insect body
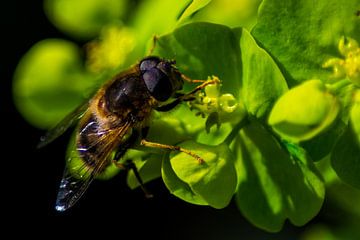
115	118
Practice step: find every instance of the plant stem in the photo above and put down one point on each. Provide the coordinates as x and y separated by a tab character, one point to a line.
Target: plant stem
336	87
235	131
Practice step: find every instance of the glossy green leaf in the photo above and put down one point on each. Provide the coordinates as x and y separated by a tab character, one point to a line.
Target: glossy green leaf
174	127
149	169
194	6
273	186
262	81
346	197
178	187
321	145
296	116
215	136
239	13
345	158
50	81
84	18
215	179
156	17
302	35
202	50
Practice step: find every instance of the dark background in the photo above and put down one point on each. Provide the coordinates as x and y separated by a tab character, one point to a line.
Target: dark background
31	177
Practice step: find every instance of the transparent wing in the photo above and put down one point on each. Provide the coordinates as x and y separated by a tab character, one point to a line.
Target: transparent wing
63	125
78	175
70	190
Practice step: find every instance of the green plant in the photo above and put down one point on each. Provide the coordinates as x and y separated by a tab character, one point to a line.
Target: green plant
288	101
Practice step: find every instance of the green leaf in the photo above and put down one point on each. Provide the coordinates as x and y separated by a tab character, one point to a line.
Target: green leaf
262	81
215	179
327	172
304	111
50	81
273	186
173	128
202	50
178	187
345	158
197	47
355	114
295	150
156	17
239	13
321	145
346	197
215	136
194	6
148	168
84	18
302	35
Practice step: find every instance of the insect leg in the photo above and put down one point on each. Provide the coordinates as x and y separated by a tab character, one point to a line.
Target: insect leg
186	97
146	143
203	84
190	80
169	106
154	41
129	164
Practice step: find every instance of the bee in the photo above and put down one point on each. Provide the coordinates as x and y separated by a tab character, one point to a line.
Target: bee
115	119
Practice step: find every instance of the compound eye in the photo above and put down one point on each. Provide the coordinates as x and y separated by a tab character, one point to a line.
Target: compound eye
149	63
164	67
158	84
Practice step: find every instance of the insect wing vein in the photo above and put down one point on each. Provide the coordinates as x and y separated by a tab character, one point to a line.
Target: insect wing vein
63	125
77	179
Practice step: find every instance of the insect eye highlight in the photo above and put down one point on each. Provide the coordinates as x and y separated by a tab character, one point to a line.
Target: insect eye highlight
149	63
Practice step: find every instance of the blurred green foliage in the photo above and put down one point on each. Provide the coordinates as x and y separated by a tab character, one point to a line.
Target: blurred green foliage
49	81
84	19
289	96
277	186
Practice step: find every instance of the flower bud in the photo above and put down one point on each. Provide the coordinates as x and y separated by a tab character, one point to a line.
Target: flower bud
304	111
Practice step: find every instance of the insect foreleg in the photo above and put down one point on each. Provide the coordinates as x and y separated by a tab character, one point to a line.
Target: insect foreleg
169	106
154	41
188	96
